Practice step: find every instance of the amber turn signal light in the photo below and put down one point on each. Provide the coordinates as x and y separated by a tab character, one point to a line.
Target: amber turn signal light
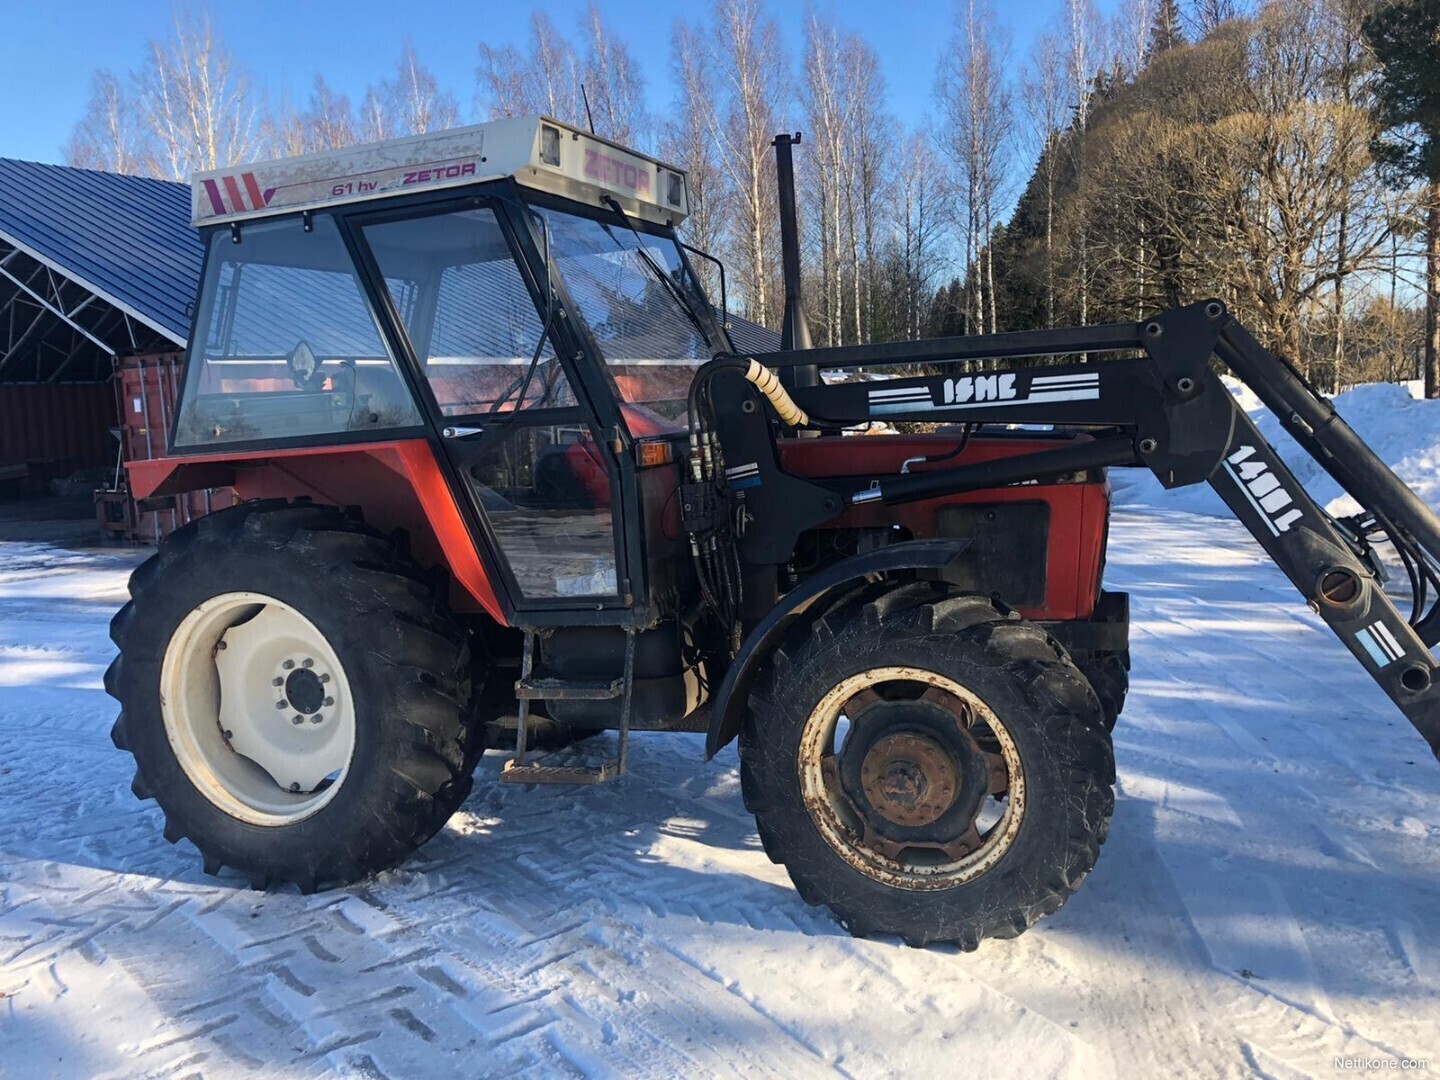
650	454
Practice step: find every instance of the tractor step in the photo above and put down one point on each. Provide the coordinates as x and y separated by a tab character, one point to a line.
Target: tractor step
568	690
555	768
540	773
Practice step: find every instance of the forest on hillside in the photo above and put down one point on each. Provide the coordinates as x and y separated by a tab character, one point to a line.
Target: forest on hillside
1164	153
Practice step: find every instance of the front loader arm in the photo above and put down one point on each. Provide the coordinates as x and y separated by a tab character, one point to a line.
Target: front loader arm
1165	409
1306	544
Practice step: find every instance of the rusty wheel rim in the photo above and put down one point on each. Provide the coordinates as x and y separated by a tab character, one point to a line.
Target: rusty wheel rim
909	778
926	806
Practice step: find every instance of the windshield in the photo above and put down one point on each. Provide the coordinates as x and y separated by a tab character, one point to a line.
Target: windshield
647	337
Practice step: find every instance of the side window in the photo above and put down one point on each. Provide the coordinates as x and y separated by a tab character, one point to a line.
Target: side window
285	344
470	318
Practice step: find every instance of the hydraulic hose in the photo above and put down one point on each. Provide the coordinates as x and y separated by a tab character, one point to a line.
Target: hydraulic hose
761	377
768	383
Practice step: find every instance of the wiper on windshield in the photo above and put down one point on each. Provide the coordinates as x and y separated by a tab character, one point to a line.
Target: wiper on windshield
523	383
655	268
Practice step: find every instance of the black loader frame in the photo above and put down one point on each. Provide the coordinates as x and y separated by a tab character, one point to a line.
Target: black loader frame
1162	406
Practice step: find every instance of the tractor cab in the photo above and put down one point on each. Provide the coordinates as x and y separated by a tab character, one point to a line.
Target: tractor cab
512	294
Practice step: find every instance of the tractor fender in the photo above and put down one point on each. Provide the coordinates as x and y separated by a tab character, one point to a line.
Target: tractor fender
733	695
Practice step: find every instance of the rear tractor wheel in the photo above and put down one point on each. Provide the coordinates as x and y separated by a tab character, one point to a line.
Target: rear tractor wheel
294	693
926	765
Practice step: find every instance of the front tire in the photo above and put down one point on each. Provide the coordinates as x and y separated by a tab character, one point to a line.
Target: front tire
295	694
927	765
1109	675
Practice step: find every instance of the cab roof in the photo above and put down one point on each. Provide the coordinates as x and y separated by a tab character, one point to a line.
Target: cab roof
536	151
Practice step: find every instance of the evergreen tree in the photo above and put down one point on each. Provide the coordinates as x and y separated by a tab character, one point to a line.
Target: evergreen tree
1165	31
1406	39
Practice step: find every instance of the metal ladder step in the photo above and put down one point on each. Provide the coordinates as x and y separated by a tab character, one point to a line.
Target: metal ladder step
540	773
568	690
519	771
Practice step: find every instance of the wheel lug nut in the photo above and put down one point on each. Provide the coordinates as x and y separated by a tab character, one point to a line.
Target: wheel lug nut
277	681
307	663
282	704
228	735
220	645
295	786
329	701
324	678
288	664
297	719
317	718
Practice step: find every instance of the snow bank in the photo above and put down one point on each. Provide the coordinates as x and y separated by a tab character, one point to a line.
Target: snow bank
1402	428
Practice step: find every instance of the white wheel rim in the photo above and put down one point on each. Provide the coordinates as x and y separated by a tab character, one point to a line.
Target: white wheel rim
817	739
229	674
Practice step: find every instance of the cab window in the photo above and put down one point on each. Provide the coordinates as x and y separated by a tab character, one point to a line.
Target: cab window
471	320
285	345
641	305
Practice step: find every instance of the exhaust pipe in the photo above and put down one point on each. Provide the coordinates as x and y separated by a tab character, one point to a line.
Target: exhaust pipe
794	329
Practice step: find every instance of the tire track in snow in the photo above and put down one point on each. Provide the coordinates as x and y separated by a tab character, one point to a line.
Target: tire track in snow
1243	914
638	929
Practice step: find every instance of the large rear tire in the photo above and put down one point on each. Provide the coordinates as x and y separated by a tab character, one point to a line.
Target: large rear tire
925	764
295	693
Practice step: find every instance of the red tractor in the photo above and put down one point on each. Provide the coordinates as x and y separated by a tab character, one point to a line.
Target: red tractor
506	480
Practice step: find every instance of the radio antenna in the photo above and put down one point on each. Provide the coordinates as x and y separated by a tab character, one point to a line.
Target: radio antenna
586	99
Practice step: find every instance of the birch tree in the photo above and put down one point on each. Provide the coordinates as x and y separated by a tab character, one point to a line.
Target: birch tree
1407	111
828	112
195	101
326	123
689	143
870	134
376	118
1130	28
919	206
976	109
614	85
1081	71
750	76
330	119
1044	98
412	101
108	136
545	79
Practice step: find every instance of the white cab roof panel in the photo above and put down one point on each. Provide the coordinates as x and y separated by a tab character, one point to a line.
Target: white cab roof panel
538	152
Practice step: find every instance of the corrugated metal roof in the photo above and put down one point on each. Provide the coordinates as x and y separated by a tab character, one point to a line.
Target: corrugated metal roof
751	337
128	239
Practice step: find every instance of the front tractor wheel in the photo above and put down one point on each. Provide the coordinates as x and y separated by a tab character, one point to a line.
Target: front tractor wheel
928	766
294	693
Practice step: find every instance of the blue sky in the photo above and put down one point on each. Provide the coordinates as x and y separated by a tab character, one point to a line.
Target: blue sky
283	43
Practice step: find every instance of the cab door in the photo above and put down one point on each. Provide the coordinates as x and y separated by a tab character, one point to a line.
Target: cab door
541	483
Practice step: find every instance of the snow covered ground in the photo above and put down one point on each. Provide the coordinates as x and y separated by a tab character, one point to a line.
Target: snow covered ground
1401	427
1267	901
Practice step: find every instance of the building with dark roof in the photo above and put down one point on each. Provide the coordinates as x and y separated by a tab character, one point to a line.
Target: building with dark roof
92	266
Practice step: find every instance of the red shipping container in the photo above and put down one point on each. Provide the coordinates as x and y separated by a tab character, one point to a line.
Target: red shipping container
146	389
50	430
